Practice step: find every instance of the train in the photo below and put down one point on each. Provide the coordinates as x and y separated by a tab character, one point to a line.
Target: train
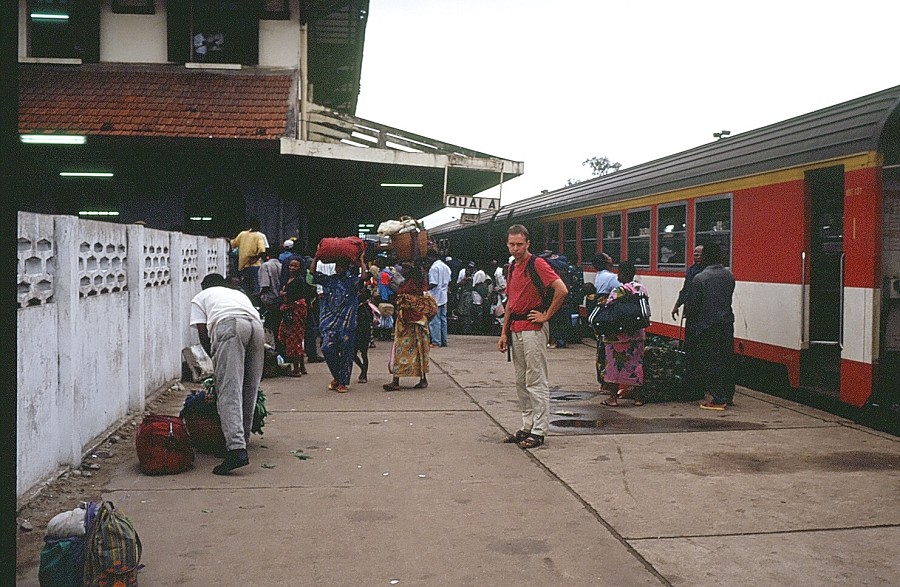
807	212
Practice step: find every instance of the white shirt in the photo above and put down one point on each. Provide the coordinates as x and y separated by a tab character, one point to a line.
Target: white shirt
215	303
439	275
479	277
499	280
325	269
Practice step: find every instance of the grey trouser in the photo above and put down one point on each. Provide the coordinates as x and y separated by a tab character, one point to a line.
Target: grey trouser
237	349
529	355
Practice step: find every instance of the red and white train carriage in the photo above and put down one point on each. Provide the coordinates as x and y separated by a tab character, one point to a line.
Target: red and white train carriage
808	214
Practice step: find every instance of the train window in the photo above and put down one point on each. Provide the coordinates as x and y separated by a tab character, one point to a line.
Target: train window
552	236
570	240
639	238
611	229
672	235
712	223
588	238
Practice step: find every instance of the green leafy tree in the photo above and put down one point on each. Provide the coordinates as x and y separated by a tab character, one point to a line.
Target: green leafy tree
600	166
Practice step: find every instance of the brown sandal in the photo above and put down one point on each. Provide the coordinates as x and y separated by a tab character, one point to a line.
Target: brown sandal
516	438
610	404
532	441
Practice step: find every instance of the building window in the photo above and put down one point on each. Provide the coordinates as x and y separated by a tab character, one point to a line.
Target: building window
588	239
64	29
552	237
671	236
712	223
133	6
639	238
611	229
570	240
213	31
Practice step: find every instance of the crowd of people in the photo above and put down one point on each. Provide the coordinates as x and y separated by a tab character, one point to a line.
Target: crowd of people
301	304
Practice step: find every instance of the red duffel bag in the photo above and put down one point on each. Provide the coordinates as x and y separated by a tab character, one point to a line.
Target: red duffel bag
333	249
163	445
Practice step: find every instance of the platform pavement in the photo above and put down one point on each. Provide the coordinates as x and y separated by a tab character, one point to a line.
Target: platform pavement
414	488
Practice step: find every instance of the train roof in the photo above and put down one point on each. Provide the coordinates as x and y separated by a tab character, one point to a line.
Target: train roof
837	131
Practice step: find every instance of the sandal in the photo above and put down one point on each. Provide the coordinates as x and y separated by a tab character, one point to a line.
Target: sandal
390	387
333	385
531	441
420	385
638	402
610	404
516	438
342	389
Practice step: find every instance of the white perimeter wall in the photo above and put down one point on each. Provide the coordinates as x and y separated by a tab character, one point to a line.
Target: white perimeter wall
103	316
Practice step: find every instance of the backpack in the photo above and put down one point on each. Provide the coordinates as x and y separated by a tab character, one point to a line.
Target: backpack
163	445
112	550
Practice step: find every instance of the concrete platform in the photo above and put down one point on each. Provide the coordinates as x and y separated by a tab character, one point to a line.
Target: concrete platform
413	487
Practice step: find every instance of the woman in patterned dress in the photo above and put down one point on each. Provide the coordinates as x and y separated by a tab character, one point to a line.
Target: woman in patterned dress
294	313
414	310
625	350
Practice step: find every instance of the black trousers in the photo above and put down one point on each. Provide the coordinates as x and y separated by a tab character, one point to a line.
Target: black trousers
714	348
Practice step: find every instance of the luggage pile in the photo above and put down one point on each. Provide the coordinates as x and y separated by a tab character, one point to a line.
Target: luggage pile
92	545
664	368
202	418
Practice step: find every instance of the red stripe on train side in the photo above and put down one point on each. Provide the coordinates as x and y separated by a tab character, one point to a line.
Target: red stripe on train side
862	227
857	380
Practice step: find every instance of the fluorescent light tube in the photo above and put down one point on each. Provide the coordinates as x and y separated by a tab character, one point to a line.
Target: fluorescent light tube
53	139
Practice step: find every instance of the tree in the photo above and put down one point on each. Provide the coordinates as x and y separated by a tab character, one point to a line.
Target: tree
600	166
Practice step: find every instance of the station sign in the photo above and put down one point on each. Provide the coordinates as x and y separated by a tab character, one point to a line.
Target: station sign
466	218
478	203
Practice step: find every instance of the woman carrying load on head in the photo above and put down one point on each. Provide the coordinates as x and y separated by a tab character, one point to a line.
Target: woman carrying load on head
624	350
414	310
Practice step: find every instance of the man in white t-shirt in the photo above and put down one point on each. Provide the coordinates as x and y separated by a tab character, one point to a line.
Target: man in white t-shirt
231	332
438	284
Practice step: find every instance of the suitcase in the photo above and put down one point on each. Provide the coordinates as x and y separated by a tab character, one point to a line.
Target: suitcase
163	445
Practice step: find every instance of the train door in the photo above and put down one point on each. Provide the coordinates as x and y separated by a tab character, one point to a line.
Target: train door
887	391
820	363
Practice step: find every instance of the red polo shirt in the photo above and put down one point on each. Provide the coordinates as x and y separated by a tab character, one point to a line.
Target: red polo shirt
522	295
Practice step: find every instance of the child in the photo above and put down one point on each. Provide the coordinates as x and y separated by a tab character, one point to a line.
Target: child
364	318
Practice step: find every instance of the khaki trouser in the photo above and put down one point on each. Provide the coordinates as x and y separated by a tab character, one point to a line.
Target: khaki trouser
529	357
237	348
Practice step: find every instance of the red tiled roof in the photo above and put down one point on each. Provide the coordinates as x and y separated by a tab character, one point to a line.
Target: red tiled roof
152	101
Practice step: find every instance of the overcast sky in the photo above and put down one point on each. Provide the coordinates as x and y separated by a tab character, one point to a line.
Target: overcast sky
554	83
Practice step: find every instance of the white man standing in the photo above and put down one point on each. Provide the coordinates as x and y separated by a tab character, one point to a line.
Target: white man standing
232	334
526	332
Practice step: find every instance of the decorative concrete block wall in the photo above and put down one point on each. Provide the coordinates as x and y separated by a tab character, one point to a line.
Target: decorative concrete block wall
103	316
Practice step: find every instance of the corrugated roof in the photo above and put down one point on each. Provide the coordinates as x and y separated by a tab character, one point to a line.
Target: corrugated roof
154	101
837	131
